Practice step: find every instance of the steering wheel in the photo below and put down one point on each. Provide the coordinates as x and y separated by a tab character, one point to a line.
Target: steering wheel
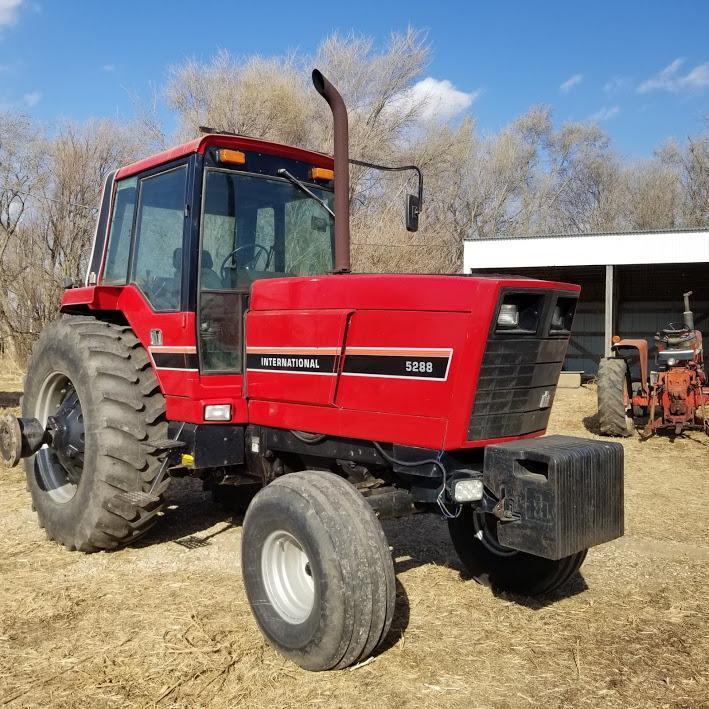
258	250
675	329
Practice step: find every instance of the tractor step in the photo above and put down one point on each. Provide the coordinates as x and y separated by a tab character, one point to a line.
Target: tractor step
139	499
167	444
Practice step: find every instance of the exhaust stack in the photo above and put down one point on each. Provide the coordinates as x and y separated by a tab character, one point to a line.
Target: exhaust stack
342	170
688	315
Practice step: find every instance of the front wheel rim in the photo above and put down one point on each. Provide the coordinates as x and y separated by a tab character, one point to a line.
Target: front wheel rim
287	577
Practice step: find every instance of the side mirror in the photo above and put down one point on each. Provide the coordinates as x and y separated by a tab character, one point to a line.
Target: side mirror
412	212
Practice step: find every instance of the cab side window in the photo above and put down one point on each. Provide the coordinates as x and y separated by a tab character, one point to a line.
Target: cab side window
159	235
116	269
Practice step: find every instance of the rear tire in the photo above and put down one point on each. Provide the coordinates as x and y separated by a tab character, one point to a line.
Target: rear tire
111	496
501	568
317	569
613	419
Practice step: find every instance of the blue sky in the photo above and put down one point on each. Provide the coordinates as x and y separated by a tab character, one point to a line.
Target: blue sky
640	69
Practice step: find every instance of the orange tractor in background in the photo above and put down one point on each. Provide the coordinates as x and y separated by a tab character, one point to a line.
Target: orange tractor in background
673	398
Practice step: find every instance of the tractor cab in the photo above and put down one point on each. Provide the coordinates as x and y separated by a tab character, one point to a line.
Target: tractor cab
183	236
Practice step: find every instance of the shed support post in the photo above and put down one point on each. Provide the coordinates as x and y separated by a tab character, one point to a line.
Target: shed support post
609	310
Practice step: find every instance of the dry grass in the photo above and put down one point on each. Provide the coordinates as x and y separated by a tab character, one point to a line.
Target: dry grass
167	623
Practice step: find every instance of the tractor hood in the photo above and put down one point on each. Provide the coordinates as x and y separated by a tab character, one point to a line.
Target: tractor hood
455	293
402	357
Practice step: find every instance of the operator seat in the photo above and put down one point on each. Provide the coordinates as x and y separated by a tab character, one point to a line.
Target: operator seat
210	279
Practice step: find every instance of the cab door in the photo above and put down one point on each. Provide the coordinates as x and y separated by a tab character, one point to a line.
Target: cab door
237	246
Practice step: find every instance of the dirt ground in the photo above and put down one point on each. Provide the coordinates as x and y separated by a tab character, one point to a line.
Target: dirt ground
167	623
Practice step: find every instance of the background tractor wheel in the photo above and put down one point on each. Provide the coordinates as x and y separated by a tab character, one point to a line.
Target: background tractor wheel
318	571
474	537
96	486
612	380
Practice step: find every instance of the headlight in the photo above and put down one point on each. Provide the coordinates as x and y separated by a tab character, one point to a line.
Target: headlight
671	362
469	490
509	316
217	412
563	316
520	312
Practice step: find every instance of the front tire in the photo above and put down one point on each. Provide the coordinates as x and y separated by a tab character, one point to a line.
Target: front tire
95	487
613	419
317	569
474	537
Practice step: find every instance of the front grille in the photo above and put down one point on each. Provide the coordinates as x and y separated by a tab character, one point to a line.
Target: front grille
516	386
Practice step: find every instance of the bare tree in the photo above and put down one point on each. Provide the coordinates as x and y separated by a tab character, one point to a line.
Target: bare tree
47	235
691	164
264	98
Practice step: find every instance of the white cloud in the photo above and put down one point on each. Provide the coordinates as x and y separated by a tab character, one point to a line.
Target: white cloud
616	85
108	67
569	84
604	114
9	12
440	100
32	98
670	79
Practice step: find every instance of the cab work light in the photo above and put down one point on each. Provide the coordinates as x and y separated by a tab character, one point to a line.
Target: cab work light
230	157
322	174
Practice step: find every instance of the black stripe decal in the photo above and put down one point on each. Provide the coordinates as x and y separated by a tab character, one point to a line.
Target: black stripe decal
284	362
176	360
424	367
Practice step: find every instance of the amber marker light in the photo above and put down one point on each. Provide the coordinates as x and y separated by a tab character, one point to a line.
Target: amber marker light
231	157
615	339
321	174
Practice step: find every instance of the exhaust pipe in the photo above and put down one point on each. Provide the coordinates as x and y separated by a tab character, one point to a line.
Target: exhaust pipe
342	170
688	315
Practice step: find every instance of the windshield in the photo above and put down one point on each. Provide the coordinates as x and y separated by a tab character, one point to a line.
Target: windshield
261	227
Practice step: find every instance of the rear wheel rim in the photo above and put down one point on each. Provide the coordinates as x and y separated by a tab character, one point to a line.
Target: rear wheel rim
60	465
287	577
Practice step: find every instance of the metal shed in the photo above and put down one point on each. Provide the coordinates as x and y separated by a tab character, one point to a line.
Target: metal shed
631	283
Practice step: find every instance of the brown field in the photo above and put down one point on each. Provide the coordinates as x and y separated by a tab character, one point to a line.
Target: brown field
167	623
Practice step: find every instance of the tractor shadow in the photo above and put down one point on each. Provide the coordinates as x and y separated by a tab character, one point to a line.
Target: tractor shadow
192	520
400	621
573	587
423	540
10	399
189	513
590	423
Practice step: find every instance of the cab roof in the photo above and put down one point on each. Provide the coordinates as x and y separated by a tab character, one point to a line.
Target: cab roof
236	142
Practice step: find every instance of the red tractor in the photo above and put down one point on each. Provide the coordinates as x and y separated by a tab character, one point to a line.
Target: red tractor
219	334
673	398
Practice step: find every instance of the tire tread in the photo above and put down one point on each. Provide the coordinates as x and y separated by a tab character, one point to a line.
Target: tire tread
129	409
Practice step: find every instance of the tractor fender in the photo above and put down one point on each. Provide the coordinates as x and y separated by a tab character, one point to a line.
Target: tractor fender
91	298
641	346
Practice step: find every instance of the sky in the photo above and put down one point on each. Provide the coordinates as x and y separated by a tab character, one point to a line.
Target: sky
640	69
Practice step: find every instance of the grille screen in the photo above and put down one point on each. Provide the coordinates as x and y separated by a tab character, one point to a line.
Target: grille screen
516	386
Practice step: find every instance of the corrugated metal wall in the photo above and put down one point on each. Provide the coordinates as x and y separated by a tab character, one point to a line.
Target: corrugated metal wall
647	298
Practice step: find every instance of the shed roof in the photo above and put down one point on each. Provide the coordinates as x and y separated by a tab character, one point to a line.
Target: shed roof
655	247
